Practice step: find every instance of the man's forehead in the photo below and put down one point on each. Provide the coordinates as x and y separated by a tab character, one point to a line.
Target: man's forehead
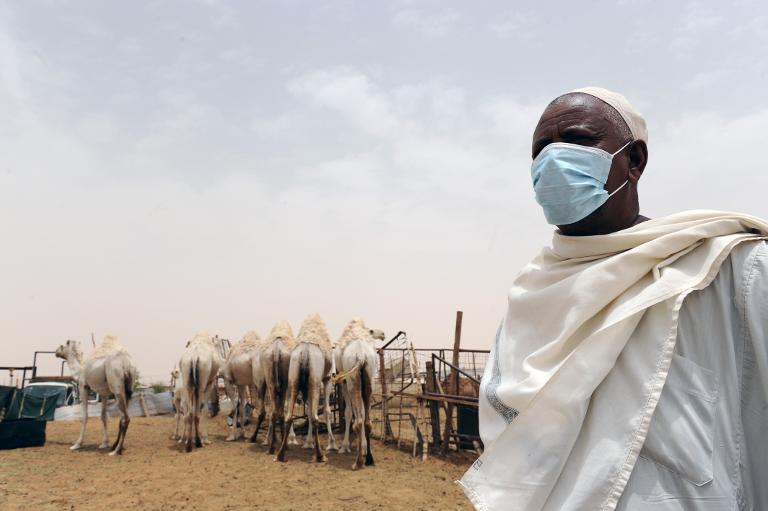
577	104
575	109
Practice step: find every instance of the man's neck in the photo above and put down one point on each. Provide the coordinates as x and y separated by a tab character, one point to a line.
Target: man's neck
596	228
640	219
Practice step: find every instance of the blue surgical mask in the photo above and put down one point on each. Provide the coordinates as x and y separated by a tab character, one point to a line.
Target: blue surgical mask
569	181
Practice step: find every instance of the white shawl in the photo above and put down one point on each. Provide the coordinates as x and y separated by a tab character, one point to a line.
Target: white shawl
572	312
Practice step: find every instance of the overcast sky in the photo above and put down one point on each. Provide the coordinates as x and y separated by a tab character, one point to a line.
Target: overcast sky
167	167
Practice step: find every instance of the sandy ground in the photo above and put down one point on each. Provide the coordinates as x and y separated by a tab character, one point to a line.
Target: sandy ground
154	474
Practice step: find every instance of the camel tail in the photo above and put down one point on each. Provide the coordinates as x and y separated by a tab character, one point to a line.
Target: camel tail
193	370
364	383
276	370
193	383
128	385
341	376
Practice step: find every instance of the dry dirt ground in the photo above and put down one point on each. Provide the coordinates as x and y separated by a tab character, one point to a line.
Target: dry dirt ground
154	474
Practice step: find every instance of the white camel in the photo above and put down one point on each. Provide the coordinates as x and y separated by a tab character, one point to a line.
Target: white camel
309	367
355	360
106	370
199	368
241	372
274	362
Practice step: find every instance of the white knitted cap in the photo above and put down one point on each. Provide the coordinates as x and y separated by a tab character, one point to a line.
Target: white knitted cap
632	117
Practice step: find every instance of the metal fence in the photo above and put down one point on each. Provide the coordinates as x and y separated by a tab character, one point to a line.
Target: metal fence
418	390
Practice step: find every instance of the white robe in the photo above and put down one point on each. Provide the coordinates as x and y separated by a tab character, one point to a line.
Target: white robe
572	312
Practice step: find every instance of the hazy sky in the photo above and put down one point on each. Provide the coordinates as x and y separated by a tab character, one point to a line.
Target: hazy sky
167	167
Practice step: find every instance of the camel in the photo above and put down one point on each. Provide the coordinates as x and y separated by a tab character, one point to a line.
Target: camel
467	387
199	368
356	362
309	442
242	370
106	370
274	363
308	369
179	404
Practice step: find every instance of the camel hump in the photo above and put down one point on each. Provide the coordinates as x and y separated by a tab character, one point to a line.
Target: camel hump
355	329
249	342
282	331
201	337
314	331
108	346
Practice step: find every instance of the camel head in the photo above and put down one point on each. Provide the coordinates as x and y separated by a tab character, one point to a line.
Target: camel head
376	334
70	351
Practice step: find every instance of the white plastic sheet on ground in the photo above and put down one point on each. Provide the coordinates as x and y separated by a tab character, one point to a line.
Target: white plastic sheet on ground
157	404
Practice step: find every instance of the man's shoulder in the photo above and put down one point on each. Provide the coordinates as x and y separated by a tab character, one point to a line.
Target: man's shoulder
748	263
749	255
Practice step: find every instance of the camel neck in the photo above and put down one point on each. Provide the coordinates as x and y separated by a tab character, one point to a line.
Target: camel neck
75	365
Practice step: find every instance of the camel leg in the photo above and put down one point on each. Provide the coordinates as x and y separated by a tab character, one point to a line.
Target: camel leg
293	384
204	427
241	402
233	429
327	411
281	422
105	436
292	437
252	400
269	389
309	440
357	402
176	436
239	410
367	391
313	419
185	427
347	417
275	418
198	442
270	440
179	419
279	411
262	395
189	418
183	418
125	420
84	407
202	419
199	410
255	434
288	420
259	396
175	433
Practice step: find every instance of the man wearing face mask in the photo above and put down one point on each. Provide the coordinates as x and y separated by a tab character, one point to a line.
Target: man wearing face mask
631	369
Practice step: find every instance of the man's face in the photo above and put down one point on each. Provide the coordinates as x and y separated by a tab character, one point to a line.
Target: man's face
585	120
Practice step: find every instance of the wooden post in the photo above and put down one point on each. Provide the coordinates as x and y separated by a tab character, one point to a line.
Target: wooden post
340	404
434	407
454	384
385	430
143	404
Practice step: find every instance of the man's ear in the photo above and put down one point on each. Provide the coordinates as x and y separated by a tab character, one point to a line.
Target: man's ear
638	158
